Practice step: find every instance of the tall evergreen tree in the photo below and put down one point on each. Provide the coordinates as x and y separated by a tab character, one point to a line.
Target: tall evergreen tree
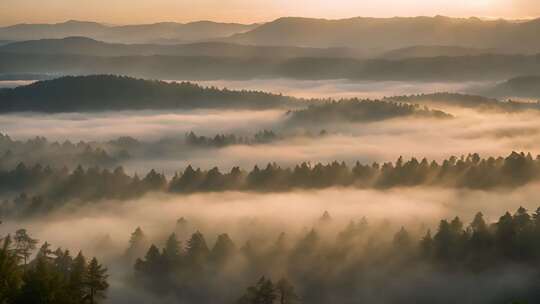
95	282
77	276
263	292
10	272
223	249
197	249
171	252
286	293
24	244
42	285
137	244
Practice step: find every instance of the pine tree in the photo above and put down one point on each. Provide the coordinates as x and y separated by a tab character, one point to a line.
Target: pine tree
10	272
171	252
42	285
76	278
402	240
427	245
137	244
197	249
263	292
286	293
223	249
95	282
24	244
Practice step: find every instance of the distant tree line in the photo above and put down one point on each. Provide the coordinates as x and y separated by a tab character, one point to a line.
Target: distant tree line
356	110
466	101
40	150
222	140
45	188
52	277
109	154
345	264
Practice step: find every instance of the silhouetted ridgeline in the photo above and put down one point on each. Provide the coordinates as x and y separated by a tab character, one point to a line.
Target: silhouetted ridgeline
91	47
163	32
355	110
397	32
45	188
107	92
466	101
427	267
481	67
523	86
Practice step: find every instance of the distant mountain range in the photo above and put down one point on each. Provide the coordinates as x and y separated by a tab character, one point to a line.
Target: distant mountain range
419	48
383	34
437	36
166	32
91	47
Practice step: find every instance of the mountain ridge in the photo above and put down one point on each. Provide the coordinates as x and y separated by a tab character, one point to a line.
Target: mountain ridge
396	32
136	33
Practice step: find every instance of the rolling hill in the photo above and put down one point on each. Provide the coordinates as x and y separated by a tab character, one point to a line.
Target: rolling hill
166	32
108	92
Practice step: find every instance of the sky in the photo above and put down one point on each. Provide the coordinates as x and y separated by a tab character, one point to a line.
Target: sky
251	11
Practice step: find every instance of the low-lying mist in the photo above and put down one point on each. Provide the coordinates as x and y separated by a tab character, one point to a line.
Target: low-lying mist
345	88
103	229
245	215
140	124
489	134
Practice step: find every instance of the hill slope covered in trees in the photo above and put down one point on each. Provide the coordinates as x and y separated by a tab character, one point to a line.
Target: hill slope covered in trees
356	110
107	92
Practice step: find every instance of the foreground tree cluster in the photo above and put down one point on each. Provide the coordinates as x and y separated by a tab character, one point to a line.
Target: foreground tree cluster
51	277
359	259
44	188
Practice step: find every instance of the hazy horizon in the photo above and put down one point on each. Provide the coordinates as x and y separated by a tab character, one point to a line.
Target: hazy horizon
120	12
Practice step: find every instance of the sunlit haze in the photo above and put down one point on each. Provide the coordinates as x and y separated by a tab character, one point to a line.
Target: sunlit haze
251	11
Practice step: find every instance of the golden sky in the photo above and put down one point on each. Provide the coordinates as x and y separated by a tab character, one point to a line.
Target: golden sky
248	11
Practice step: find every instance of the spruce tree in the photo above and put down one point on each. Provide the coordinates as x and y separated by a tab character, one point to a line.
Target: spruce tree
95	282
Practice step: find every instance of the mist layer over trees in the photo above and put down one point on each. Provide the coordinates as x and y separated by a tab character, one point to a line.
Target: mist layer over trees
376	263
43	189
52	276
